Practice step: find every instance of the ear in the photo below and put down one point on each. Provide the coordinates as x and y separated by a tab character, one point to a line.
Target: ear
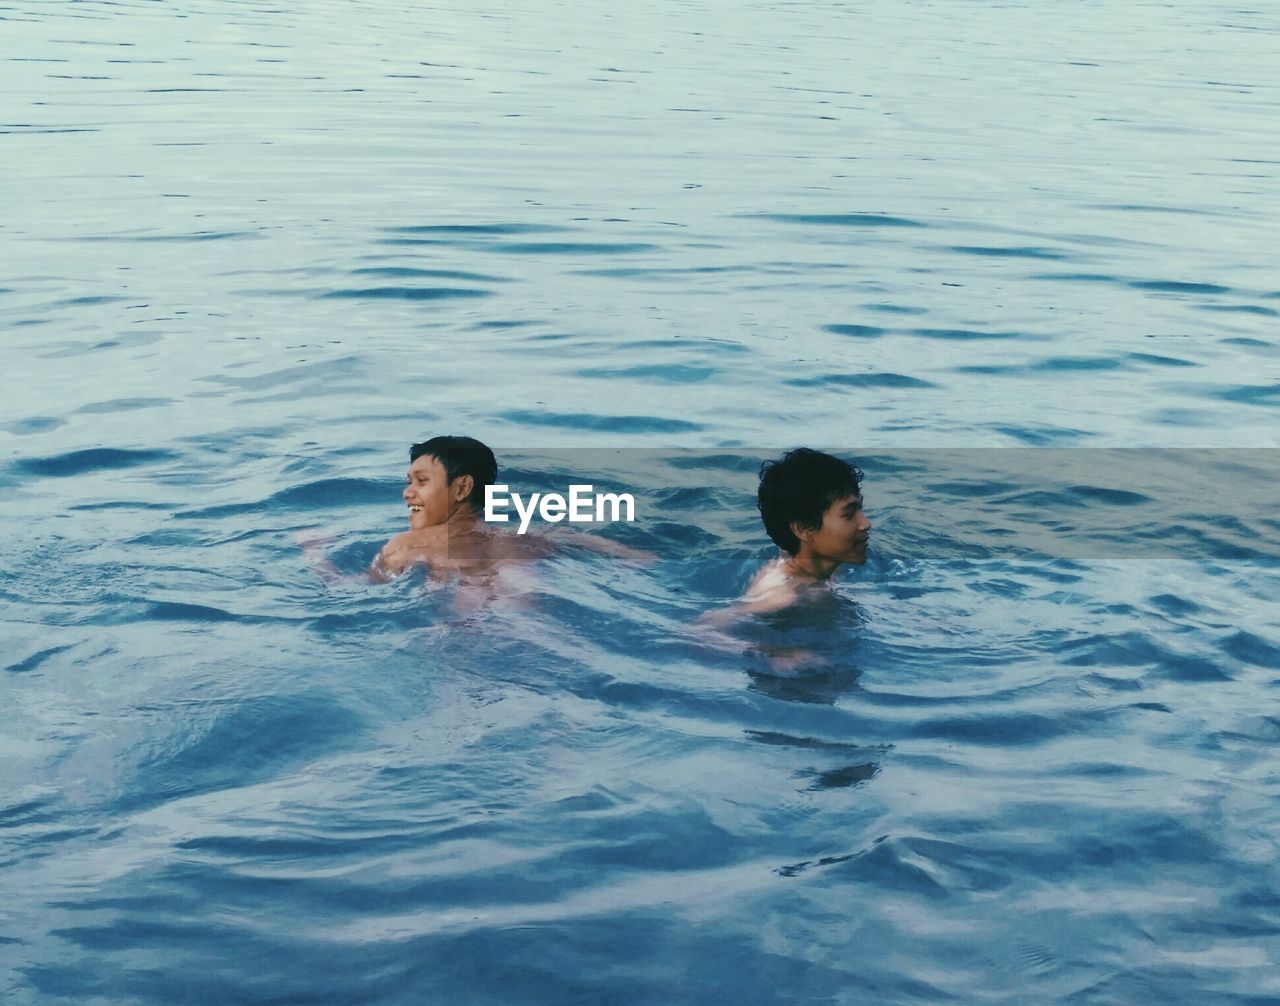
802	531
462	486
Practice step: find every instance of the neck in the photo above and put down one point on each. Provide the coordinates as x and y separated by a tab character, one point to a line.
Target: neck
811	567
462	518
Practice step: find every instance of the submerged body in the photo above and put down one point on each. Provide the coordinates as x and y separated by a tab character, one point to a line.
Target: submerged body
811	505
444	493
468	547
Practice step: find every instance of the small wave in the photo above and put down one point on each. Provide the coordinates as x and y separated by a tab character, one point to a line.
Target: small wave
1251	394
121	405
846	777
33	662
32	425
322	494
91	460
407	293
1173	286
673	373
162	238
966	334
841	219
1258	309
572	248
609	424
896	309
405	272
1078	277
88	301
1041	434
871	380
997	252
183	611
479	229
234	746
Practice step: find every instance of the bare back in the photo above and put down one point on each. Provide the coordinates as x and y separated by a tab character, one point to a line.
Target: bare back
445	549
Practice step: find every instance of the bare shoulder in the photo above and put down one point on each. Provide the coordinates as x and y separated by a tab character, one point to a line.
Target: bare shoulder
771	589
398	545
394	558
397	542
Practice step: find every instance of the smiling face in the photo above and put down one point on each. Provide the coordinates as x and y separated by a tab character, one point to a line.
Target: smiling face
842	536
430	496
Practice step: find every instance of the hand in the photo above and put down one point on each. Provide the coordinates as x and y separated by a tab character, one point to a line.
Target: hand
315	549
311	543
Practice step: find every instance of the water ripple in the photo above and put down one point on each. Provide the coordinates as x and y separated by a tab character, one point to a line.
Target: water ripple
93	459
842	219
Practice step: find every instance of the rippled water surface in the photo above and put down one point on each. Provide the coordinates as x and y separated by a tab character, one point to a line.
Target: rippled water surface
250	251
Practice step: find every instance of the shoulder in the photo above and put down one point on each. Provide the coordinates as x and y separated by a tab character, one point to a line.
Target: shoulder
396	545
391	559
771	589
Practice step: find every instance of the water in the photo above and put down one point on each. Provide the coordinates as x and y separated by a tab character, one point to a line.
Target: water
250	252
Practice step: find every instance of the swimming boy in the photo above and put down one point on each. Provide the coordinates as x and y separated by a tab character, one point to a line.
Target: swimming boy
811	505
444	492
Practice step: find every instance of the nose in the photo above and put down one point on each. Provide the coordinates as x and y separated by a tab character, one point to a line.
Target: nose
864	523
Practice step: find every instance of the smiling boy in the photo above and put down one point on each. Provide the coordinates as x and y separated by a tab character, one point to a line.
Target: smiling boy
811	505
444	493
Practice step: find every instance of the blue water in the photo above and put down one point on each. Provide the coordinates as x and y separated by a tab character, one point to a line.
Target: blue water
999	254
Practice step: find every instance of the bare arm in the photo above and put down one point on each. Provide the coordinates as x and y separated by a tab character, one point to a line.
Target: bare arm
315	550
379	570
767	593
605	546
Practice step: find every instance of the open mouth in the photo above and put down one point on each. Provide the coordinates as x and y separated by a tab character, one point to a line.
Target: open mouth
414	508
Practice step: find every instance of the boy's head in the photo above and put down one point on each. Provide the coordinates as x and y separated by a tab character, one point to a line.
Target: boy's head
797	491
444	474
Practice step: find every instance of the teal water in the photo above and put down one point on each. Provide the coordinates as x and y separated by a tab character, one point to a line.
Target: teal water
249	252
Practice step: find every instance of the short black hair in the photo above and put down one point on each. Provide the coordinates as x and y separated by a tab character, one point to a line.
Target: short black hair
461	456
798	488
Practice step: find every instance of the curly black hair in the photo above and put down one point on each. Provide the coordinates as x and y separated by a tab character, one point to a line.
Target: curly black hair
798	488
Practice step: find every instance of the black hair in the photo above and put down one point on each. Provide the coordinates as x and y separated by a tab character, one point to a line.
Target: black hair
798	488
461	456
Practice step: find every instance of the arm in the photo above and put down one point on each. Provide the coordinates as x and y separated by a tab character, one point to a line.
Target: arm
714	629
768	592
380	570
315	551
392	560
607	546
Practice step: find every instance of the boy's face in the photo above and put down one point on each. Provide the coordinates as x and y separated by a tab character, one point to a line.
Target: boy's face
843	534
429	495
